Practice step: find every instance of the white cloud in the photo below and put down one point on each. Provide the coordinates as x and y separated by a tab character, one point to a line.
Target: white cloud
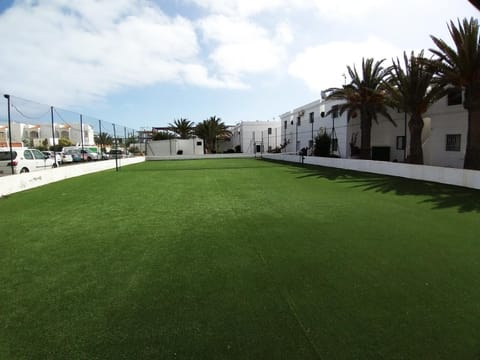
323	66
241	8
340	10
66	52
241	46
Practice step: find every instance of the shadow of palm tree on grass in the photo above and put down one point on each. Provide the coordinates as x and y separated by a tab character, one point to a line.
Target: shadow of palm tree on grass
439	195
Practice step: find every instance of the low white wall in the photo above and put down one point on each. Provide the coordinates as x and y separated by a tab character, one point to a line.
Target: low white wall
450	176
195	157
14	183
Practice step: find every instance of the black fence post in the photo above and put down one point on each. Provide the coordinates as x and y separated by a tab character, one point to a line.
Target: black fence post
10	133
116	147
81	129
53	133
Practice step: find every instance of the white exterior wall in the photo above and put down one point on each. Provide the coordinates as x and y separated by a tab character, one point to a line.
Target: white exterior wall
193	146
19	182
446	120
248	134
440	120
458	177
298	137
384	133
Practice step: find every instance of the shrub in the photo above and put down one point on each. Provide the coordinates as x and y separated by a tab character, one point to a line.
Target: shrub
322	144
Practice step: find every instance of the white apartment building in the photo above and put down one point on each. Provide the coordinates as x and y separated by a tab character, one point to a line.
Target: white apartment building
252	137
443	137
301	125
37	133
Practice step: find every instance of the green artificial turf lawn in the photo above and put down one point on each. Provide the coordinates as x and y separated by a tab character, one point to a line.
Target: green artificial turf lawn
239	259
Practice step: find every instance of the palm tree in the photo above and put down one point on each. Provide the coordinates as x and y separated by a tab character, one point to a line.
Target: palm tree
460	67
211	130
413	90
103	139
162	135
475	3
183	128
364	95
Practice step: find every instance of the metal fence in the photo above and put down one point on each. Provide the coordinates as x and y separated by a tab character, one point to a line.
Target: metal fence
31	125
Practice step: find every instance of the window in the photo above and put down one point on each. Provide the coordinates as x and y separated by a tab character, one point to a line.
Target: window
5	155
454	96
199	143
285	124
299	121
38	154
334	111
27	155
269	131
310	143
311	117
453	142
400	142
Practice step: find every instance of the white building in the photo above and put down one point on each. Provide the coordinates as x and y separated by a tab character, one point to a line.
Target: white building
301	125
193	146
443	136
38	133
252	137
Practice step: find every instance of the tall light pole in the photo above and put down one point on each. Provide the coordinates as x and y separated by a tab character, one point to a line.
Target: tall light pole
405	139
9	133
53	129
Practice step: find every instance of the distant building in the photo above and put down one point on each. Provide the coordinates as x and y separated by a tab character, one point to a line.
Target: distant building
193	146
36	134
252	137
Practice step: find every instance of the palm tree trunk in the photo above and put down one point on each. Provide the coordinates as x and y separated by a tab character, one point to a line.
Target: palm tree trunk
415	125
472	153
365	138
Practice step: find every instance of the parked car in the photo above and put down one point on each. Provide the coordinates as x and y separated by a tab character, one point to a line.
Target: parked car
54	156
88	155
23	161
74	154
116	153
66	158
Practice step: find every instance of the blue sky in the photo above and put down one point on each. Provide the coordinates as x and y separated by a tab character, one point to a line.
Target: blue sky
143	63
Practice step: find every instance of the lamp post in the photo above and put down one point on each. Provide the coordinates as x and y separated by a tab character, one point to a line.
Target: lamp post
311	122
53	130
296	134
405	139
6	96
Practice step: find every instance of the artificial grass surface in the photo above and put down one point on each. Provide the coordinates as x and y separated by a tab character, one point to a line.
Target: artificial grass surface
239	259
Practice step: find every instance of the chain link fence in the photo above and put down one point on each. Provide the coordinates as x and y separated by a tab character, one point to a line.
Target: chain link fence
35	136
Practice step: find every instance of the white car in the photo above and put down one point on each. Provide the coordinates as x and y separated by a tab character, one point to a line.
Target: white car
23	161
53	156
66	158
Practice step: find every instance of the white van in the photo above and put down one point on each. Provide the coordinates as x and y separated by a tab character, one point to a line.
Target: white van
24	160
